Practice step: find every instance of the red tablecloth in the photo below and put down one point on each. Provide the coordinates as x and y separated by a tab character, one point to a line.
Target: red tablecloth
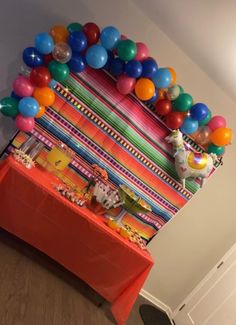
75	237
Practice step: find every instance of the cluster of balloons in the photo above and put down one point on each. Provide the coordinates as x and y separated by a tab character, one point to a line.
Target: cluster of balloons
73	48
196	120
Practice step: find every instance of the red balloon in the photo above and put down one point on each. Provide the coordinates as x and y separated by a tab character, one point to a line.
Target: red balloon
163	107
174	120
92	33
47	58
40	77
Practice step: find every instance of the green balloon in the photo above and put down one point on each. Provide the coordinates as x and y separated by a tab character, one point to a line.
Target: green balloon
183	103
59	71
212	148
126	50
9	107
74	27
181	89
206	120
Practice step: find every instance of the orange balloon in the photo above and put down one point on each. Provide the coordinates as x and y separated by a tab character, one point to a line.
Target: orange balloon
41	111
173	76
221	136
59	33
144	89
45	96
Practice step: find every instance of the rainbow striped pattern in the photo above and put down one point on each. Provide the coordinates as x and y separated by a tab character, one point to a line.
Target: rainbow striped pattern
123	136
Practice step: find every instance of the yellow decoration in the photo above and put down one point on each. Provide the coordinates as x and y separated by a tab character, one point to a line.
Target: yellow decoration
124	232
112	224
197	160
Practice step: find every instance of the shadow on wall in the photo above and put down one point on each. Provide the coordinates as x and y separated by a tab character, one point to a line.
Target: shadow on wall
20	21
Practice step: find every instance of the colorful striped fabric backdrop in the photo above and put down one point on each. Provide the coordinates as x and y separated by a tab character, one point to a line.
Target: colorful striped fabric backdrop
120	134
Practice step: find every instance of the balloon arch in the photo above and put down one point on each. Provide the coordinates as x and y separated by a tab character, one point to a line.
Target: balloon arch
73	48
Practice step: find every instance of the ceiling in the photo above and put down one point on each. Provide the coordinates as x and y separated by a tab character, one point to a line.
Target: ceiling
204	29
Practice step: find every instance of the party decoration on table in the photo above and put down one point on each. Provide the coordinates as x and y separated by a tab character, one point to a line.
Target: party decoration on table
70	194
23	158
59	157
98	175
131	203
104	199
126	232
28	152
188	163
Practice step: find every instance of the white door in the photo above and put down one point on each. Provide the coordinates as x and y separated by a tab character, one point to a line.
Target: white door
213	302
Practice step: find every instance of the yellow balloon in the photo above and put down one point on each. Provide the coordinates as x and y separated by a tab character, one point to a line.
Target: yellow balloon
144	89
221	136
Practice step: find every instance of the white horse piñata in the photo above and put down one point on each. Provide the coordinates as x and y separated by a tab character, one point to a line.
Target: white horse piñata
188	163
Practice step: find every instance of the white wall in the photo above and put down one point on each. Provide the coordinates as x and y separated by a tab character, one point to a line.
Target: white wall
189	245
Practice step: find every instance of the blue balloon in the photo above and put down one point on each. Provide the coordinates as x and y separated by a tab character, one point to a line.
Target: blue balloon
154	98
32	57
110	57
189	126
28	106
77	63
149	68
109	37
199	111
96	56
44	43
162	78
133	68
77	41
13	95
117	67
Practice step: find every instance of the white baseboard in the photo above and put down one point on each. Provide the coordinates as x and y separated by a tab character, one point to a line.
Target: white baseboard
158	303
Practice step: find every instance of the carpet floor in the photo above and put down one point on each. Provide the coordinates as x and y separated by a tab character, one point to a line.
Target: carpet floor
34	290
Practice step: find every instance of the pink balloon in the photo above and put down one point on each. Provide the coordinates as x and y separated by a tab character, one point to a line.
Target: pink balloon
142	52
217	122
125	84
23	87
25	124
